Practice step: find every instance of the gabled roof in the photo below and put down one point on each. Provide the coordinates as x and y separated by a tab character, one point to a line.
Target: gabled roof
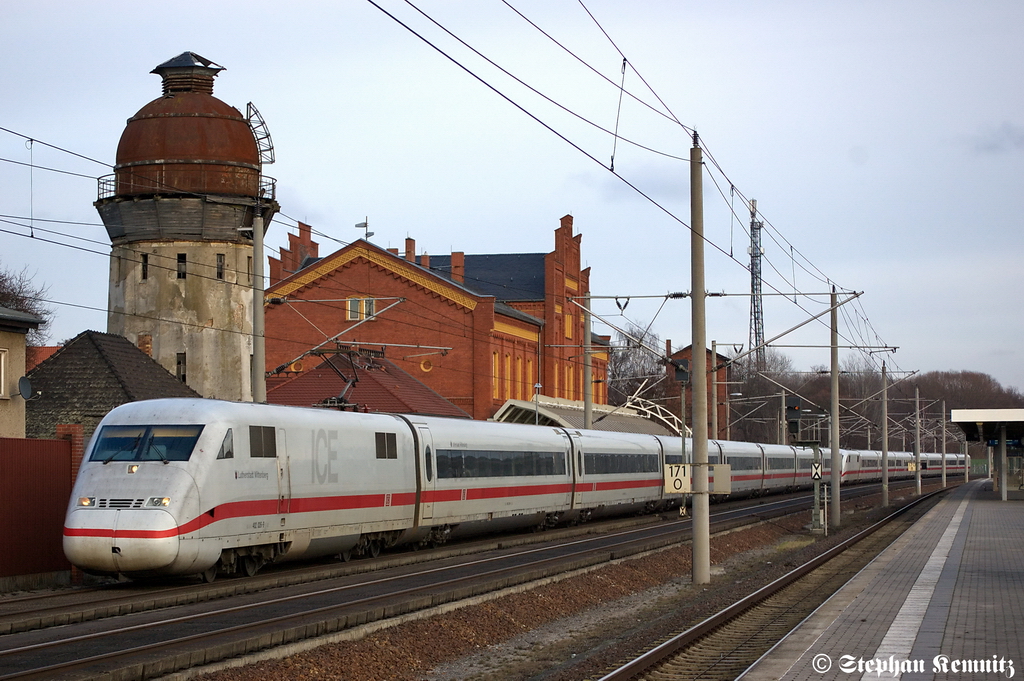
35	354
506	276
420	276
382	387
93	373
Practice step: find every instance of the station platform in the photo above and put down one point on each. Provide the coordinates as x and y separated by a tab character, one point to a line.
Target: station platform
944	601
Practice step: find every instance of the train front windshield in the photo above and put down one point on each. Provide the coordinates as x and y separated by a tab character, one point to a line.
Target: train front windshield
145	443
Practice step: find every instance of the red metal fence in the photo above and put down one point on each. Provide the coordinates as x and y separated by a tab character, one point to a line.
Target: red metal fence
35	484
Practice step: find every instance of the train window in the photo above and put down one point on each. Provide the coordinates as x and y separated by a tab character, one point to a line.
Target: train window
745	463
227	448
458	463
263	442
776	463
609	463
145	443
430	465
387	445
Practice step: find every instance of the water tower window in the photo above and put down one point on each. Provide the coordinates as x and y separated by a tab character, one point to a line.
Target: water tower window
145	266
180	367
181	266
220	265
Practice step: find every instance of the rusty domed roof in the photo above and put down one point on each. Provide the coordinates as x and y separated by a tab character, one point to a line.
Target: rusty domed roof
187	141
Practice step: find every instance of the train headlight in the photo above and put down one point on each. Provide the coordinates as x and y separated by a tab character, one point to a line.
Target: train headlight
158	502
87	502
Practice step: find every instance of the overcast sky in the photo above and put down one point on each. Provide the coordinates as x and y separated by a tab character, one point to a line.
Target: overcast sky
882	140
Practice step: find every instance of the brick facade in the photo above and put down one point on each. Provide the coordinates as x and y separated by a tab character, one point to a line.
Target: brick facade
439	317
721	399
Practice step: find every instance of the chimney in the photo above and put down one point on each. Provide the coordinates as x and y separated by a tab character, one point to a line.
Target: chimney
393	251
459	266
425	261
410	249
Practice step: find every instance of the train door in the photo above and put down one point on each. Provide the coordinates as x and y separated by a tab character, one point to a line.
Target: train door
284	474
427	473
574	457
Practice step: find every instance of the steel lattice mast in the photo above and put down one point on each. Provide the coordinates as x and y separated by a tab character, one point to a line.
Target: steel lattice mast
756	313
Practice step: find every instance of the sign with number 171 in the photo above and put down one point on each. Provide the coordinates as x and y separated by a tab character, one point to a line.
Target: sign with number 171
677	478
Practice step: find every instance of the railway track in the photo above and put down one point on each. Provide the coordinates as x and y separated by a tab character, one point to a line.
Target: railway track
39	611
724	645
147	641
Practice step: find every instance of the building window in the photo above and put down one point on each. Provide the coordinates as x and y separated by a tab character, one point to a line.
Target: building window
495	377
220	265
369	308
179	367
352	309
145	266
508	376
568	325
519	379
248	269
181	266
3	374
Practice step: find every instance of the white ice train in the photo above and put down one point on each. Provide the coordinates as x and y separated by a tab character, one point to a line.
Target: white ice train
191	486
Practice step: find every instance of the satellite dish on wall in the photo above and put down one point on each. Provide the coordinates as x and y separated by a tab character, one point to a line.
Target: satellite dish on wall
25	387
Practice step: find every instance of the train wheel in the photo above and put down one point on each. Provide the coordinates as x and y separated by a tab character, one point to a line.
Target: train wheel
345	556
374	548
250	565
209	574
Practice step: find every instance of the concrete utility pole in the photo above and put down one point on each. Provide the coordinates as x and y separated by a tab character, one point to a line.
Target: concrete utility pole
885	439
917	441
1002	461
259	347
714	390
943	444
837	464
588	371
701	524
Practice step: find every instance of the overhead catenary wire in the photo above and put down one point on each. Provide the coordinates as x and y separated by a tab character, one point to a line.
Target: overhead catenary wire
621	88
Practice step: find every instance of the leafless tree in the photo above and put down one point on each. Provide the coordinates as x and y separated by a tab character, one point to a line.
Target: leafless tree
636	367
755	411
19	292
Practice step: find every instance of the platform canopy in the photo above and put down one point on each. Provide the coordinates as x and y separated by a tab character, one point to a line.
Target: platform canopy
983	425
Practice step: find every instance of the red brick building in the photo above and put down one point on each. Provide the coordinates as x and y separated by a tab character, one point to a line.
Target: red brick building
721	385
478	329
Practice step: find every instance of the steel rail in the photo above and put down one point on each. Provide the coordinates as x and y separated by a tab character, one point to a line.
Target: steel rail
659	653
523	569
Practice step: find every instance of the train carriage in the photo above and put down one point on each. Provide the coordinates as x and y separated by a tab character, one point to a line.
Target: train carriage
192	486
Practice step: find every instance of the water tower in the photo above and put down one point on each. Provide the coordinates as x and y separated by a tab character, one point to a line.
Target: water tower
179	212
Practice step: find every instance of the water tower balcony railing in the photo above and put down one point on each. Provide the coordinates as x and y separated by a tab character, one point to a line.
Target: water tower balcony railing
107	187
